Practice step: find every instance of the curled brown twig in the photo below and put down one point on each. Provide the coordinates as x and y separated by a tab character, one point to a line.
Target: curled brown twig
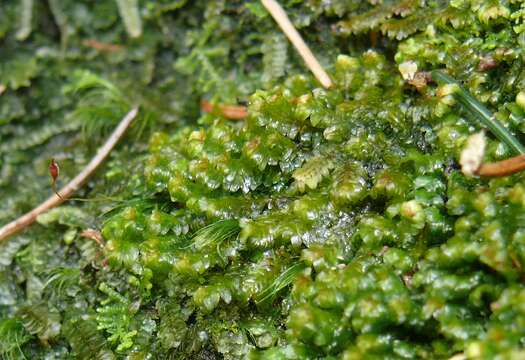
93	235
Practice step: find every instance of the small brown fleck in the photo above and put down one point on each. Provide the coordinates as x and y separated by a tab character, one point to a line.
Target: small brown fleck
487	63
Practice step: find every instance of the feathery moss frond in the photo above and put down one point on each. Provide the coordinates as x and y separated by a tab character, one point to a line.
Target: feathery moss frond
102	104
38	136
275	57
12	337
85	340
114	316
39	320
61	278
84	80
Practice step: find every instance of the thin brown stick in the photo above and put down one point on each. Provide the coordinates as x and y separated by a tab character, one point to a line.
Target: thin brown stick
232	112
295	38
28	218
101	46
503	168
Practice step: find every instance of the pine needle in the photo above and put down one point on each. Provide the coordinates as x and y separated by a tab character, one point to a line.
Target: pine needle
480	112
295	38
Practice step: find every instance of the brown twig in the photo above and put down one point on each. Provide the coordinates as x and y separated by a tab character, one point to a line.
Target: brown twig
295	38
233	112
100	46
502	168
28	218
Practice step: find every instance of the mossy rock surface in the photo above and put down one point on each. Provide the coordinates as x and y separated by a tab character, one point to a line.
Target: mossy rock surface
329	224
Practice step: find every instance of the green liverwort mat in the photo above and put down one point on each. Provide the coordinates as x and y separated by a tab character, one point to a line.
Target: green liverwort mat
329	224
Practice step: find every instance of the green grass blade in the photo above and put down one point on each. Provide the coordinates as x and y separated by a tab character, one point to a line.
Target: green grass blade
471	104
214	234
282	281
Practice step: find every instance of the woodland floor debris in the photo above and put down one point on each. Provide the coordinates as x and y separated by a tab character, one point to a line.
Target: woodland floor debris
328	223
64	193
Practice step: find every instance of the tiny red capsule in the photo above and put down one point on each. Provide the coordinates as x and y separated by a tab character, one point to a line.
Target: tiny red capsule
54	170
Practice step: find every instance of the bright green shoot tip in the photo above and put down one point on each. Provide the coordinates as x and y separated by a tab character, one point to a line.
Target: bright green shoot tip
480	112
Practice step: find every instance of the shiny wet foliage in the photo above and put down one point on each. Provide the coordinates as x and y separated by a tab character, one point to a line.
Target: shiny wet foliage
328	224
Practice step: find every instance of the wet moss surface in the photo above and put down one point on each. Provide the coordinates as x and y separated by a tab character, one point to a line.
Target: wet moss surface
330	223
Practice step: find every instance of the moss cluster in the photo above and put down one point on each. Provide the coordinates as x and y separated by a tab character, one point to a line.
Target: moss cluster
327	224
